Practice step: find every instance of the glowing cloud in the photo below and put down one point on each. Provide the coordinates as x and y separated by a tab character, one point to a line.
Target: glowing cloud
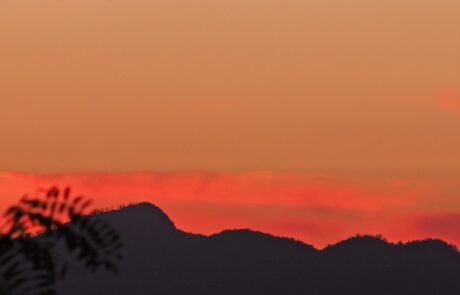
315	208
450	101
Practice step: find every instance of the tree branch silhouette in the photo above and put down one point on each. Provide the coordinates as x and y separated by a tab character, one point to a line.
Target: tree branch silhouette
37	229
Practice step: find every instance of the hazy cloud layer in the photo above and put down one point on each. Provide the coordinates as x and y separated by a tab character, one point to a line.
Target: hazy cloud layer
315	208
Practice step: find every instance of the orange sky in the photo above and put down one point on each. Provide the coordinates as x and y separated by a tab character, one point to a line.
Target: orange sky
364	91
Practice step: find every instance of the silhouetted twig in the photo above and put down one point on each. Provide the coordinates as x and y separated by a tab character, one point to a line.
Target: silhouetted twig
33	231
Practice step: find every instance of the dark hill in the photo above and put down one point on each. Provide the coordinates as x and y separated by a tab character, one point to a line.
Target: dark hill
160	259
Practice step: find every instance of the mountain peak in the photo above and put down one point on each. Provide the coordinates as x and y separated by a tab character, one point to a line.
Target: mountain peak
145	207
140	215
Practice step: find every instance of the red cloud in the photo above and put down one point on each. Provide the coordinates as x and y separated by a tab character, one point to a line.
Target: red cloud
450	102
314	208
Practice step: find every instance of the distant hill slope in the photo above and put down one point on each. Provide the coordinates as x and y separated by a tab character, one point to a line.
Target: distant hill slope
160	259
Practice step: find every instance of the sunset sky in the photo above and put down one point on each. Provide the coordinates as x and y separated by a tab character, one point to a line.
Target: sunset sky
312	119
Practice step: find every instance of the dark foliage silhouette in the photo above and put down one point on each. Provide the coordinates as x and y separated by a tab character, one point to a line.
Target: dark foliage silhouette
160	259
40	232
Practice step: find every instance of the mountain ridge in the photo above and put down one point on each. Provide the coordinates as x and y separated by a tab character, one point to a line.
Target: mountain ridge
146	207
161	259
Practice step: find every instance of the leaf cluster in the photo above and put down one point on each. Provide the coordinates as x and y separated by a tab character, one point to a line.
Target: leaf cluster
42	235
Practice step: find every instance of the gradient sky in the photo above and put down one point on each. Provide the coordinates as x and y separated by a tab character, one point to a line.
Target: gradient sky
367	92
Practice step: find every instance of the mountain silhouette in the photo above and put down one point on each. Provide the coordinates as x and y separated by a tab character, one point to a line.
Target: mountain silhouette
161	259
